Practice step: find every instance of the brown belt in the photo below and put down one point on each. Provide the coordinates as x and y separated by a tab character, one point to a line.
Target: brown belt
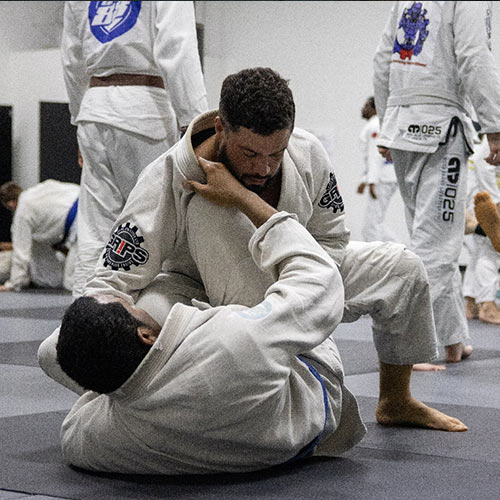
125	79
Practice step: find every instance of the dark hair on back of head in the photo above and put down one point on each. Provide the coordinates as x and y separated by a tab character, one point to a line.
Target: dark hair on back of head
10	191
257	99
98	346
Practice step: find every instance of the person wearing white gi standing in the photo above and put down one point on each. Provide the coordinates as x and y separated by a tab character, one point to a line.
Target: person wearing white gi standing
480	282
43	224
134	81
433	69
379	175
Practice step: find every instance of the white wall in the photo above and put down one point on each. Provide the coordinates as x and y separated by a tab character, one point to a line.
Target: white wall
35	76
325	48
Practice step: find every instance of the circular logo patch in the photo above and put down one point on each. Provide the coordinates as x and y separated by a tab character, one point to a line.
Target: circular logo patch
124	249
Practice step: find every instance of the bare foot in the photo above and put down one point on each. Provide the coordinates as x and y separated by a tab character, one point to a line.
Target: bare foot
428	367
471	308
457	352
489	313
413	413
487	215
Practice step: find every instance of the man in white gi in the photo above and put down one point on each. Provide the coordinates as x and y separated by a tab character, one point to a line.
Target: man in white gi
228	389
378	175
432	69
253	135
480	282
134	81
43	234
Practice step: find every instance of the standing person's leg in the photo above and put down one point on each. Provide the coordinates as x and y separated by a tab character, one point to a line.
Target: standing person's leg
487	281
470	285
374	226
113	159
387	190
434	188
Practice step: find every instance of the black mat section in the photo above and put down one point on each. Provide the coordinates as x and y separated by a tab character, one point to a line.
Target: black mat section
34	313
404	466
480	443
19	353
359	356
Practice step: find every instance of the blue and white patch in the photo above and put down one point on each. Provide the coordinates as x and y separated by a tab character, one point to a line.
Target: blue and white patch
124	249
260	311
109	20
332	198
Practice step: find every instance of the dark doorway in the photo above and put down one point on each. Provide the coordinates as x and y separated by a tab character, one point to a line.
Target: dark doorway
5	166
58	144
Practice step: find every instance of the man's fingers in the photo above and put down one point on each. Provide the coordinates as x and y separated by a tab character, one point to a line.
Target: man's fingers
197	187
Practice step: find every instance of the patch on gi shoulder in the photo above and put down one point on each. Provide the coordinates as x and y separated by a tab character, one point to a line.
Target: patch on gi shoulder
109	20
124	249
332	198
257	312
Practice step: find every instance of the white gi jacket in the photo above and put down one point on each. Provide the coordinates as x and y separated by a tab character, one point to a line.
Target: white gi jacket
151	230
376	168
37	225
436	68
151	38
222	390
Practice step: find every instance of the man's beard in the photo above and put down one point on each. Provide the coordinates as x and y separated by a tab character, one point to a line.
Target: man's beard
256	188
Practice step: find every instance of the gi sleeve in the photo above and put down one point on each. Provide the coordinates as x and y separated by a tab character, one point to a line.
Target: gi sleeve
75	77
476	66
306	302
381	64
176	55
142	238
327	221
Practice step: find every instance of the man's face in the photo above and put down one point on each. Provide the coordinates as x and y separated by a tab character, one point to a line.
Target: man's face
367	111
252	158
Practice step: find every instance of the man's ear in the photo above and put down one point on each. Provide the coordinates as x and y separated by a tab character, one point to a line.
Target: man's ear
219	126
146	335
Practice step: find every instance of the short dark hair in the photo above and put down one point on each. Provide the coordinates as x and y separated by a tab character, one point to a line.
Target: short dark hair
257	99
98	346
9	191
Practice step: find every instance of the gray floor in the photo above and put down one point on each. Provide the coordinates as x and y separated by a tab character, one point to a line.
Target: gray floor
390	463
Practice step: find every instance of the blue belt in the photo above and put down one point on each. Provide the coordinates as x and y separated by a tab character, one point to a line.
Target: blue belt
70	218
308	449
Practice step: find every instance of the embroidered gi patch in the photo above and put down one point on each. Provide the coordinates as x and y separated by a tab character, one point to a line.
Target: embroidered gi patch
332	198
109	20
258	312
124	249
413	25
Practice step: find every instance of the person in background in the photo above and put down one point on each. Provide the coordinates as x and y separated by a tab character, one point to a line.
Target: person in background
433	71
378	175
480	281
134	81
43	234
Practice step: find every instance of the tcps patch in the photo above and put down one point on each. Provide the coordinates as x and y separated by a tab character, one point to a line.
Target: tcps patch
124	249
332	198
109	20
